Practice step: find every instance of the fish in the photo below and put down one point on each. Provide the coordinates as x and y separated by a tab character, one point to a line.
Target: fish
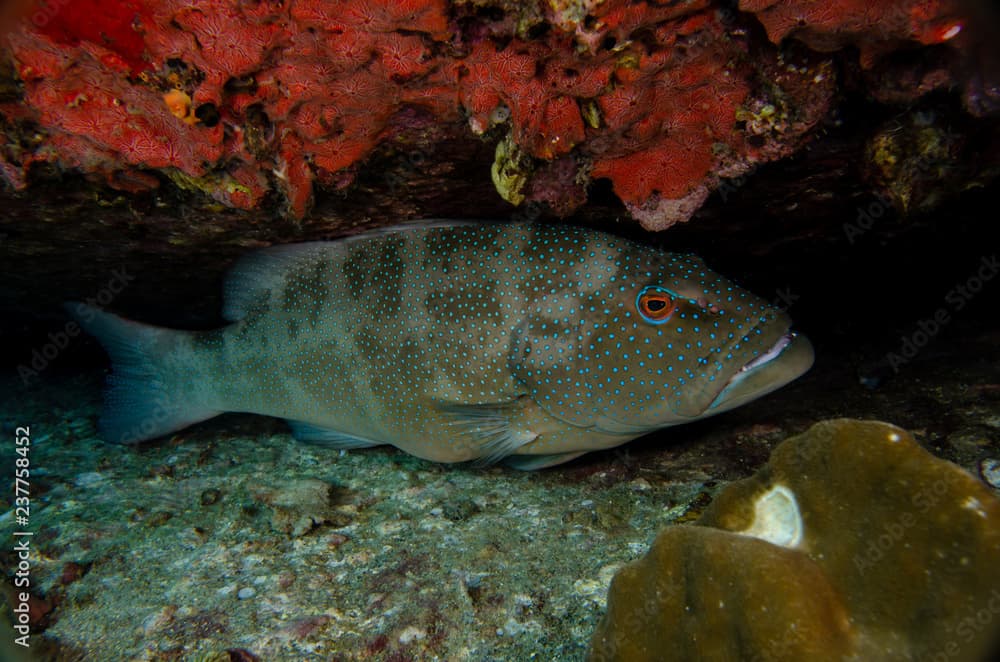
457	342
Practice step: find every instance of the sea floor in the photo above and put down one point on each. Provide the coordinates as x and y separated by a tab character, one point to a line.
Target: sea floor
232	536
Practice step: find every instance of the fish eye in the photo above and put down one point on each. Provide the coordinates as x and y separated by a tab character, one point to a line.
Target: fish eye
656	304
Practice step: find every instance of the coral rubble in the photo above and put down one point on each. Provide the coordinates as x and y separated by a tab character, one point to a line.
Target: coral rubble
239	99
301	505
851	543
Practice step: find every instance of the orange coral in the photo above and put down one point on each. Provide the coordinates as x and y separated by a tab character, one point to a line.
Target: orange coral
873	27
179	104
643	93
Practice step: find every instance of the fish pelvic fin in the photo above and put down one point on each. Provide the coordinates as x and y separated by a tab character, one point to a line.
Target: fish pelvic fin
140	402
536	462
489	425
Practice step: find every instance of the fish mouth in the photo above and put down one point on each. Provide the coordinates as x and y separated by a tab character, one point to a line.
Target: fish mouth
787	359
771	354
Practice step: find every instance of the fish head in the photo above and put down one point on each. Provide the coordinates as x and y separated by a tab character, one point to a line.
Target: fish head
661	340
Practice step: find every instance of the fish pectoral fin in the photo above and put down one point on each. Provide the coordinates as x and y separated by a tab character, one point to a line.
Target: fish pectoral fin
490	426
314	434
535	462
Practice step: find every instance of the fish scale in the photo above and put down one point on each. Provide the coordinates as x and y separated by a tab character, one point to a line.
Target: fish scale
458	341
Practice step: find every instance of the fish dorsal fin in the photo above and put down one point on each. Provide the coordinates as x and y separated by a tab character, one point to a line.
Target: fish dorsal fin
256	275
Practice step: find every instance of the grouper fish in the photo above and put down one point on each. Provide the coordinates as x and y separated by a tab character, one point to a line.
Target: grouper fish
457	341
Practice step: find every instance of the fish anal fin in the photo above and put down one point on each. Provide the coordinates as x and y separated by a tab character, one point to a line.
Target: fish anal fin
314	434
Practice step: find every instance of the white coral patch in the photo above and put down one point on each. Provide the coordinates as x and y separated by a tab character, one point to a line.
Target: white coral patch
973	504
777	518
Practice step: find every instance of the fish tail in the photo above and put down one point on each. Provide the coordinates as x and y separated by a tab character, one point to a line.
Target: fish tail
142	399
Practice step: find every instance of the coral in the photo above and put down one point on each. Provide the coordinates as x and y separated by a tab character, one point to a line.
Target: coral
851	543
885	33
287	96
107	24
731	583
557	184
875	28
511	171
314	86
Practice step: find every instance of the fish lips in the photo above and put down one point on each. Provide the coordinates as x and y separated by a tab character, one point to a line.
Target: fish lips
786	360
756	364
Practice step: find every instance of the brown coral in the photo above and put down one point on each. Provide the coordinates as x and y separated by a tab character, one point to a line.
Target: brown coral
851	543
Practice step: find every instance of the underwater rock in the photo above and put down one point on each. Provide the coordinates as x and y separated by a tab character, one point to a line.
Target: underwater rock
851	543
916	160
301	505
